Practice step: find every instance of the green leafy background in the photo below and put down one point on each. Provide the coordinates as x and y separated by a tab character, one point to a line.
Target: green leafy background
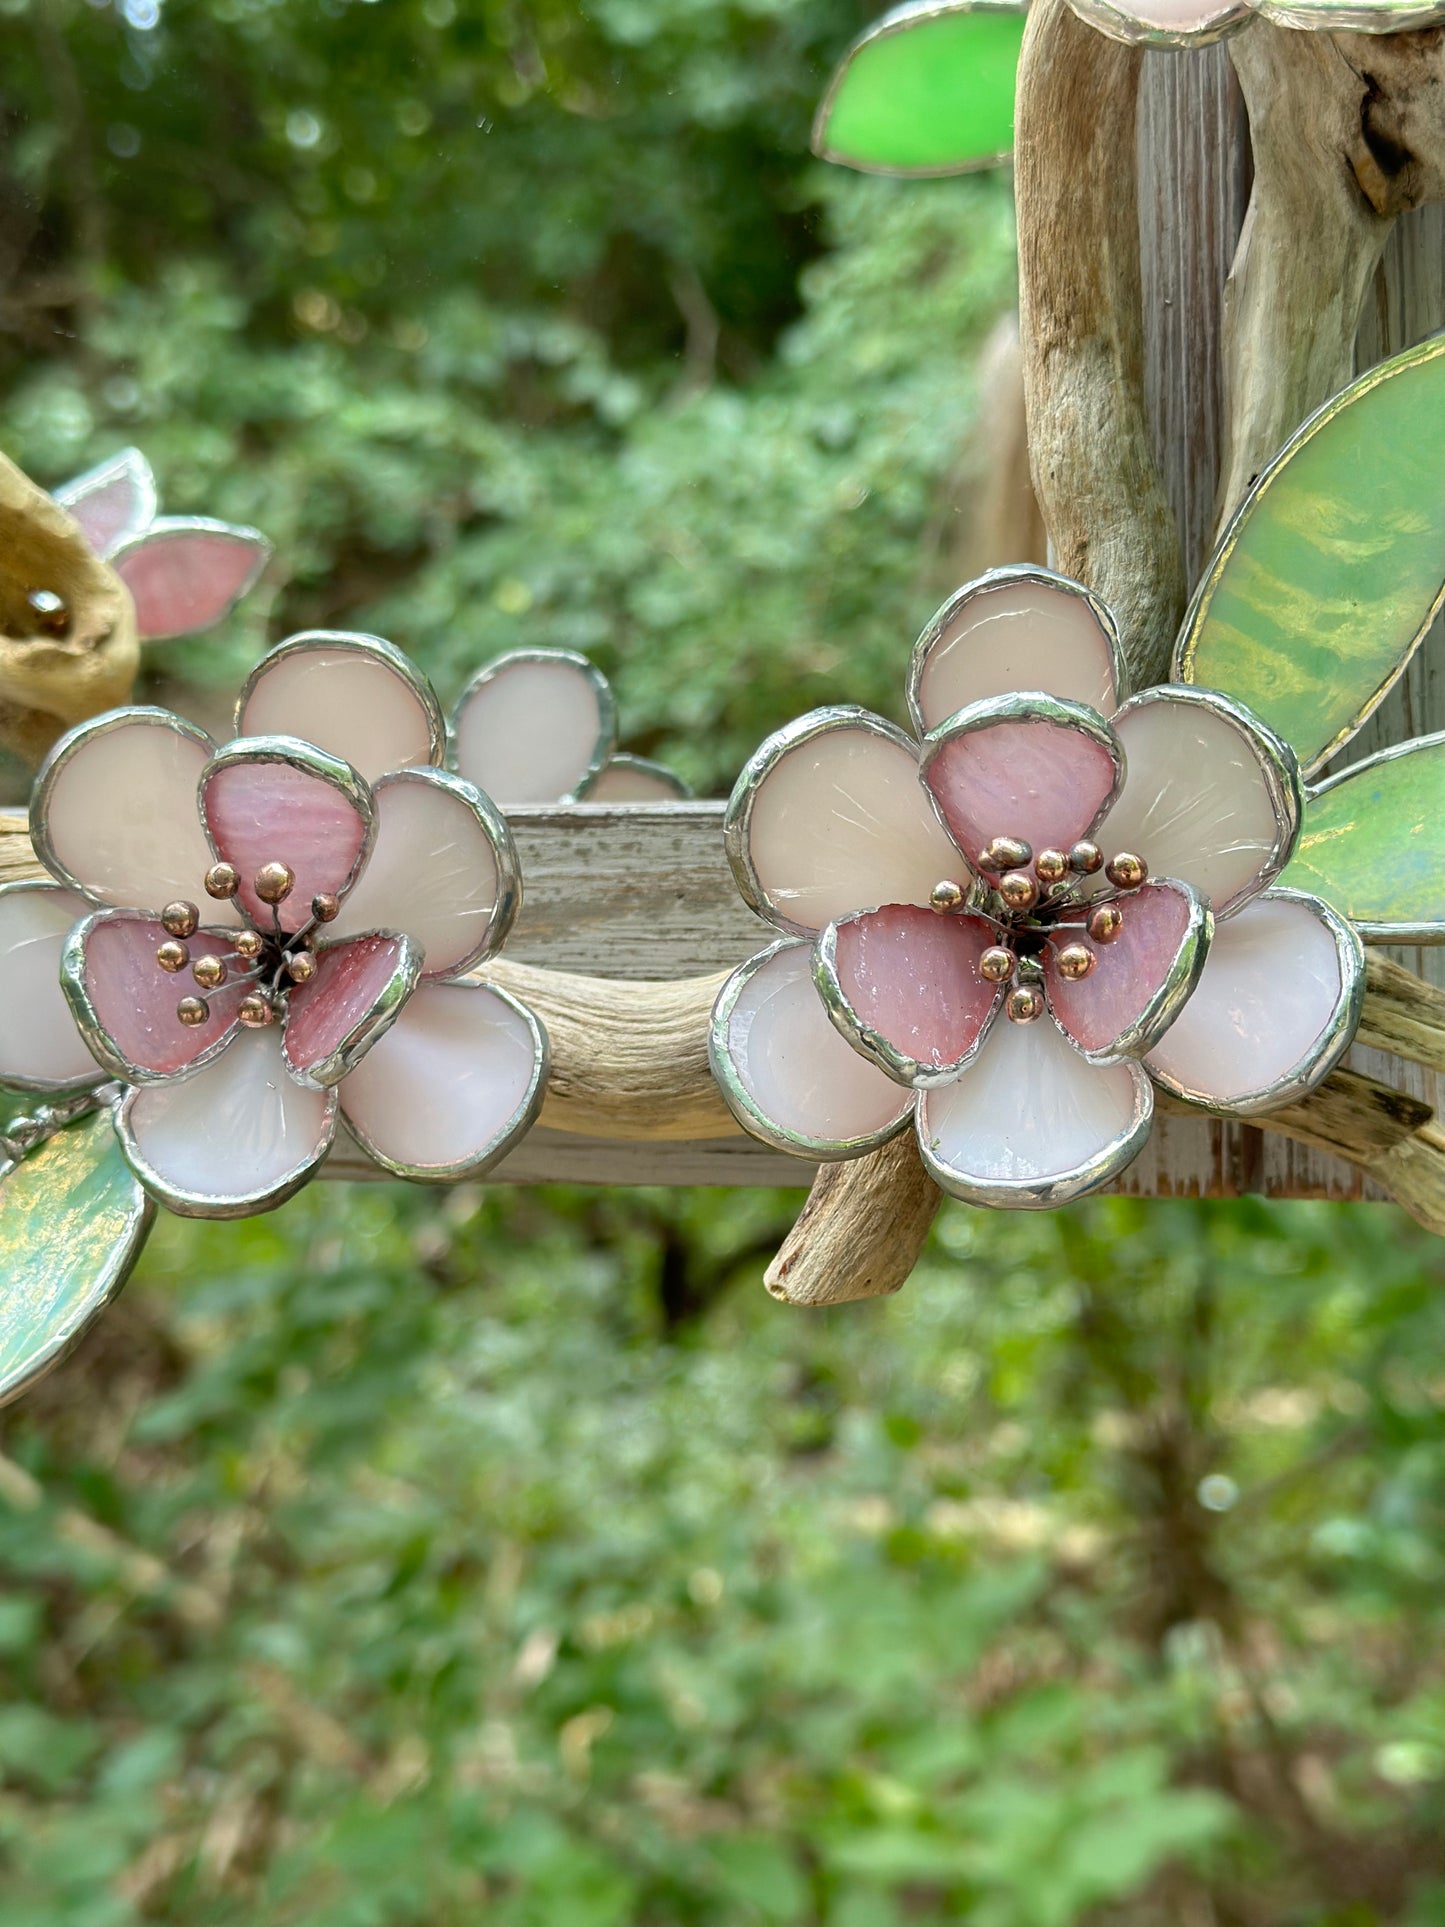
404	1561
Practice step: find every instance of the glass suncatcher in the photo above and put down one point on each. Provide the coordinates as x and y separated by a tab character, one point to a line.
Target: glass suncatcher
1011	925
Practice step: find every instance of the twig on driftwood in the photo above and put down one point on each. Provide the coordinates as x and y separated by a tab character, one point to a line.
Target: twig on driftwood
1082	323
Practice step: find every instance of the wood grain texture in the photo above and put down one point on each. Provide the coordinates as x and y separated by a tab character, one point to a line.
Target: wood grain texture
862	1230
1082	328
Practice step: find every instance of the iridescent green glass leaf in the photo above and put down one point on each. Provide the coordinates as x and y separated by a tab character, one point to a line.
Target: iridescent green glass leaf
72	1223
929	89
1332	570
1373	844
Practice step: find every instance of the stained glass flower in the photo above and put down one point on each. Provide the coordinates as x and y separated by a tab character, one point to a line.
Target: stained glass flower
1012	925
185	573
260	938
540	726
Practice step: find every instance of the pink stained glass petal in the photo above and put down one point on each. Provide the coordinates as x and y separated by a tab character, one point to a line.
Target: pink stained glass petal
263	811
239	1136
186	576
39	1043
830	818
1014	631
353	695
785	1071
358	989
1138	982
915	997
112	502
451	1085
441	870
1044	781
115	811
1273	1007
134	1001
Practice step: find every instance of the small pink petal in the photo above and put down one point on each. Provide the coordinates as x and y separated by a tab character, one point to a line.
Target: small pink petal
239	1136
451	1086
357	992
786	1073
353	695
634	779
115	810
1021	774
1011	631
185	576
534	726
39	1044
1139	981
912	983
112	502
134	1001
829	818
1276	1007
262	811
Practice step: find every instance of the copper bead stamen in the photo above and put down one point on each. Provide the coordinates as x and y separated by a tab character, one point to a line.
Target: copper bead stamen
257	1010
180	919
1076	960
173	956
946	896
249	944
222	881
1005	853
1024	1005
996	965
209	972
1106	922
301	967
1126	871
1086	859
1051	866
1018	890
193	1011
274	882
326	908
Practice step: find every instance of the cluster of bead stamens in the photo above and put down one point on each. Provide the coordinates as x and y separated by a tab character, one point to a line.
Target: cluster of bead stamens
1037	905
262	965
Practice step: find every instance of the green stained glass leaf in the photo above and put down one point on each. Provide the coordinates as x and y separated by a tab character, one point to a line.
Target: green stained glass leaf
1371	844
72	1223
1334	566
929	89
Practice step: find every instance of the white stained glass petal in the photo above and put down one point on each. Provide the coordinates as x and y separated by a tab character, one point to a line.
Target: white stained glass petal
1207	797
115	812
1032	1122
1273	1012
450	1085
1169	23
433	873
787	1073
633	779
534	727
40	1047
831	818
113	501
1014	631
237	1137
355	696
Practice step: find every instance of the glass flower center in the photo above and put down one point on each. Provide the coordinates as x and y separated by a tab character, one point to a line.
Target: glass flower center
1041	906
256	965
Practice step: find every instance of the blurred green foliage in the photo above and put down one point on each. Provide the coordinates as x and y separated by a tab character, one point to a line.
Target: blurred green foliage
403	1561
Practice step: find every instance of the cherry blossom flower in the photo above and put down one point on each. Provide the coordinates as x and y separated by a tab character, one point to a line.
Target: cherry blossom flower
1011	926
259	938
540	726
185	573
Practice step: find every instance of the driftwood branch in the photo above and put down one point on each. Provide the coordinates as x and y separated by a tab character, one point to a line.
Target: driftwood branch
1348	133
68	644
1082	325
